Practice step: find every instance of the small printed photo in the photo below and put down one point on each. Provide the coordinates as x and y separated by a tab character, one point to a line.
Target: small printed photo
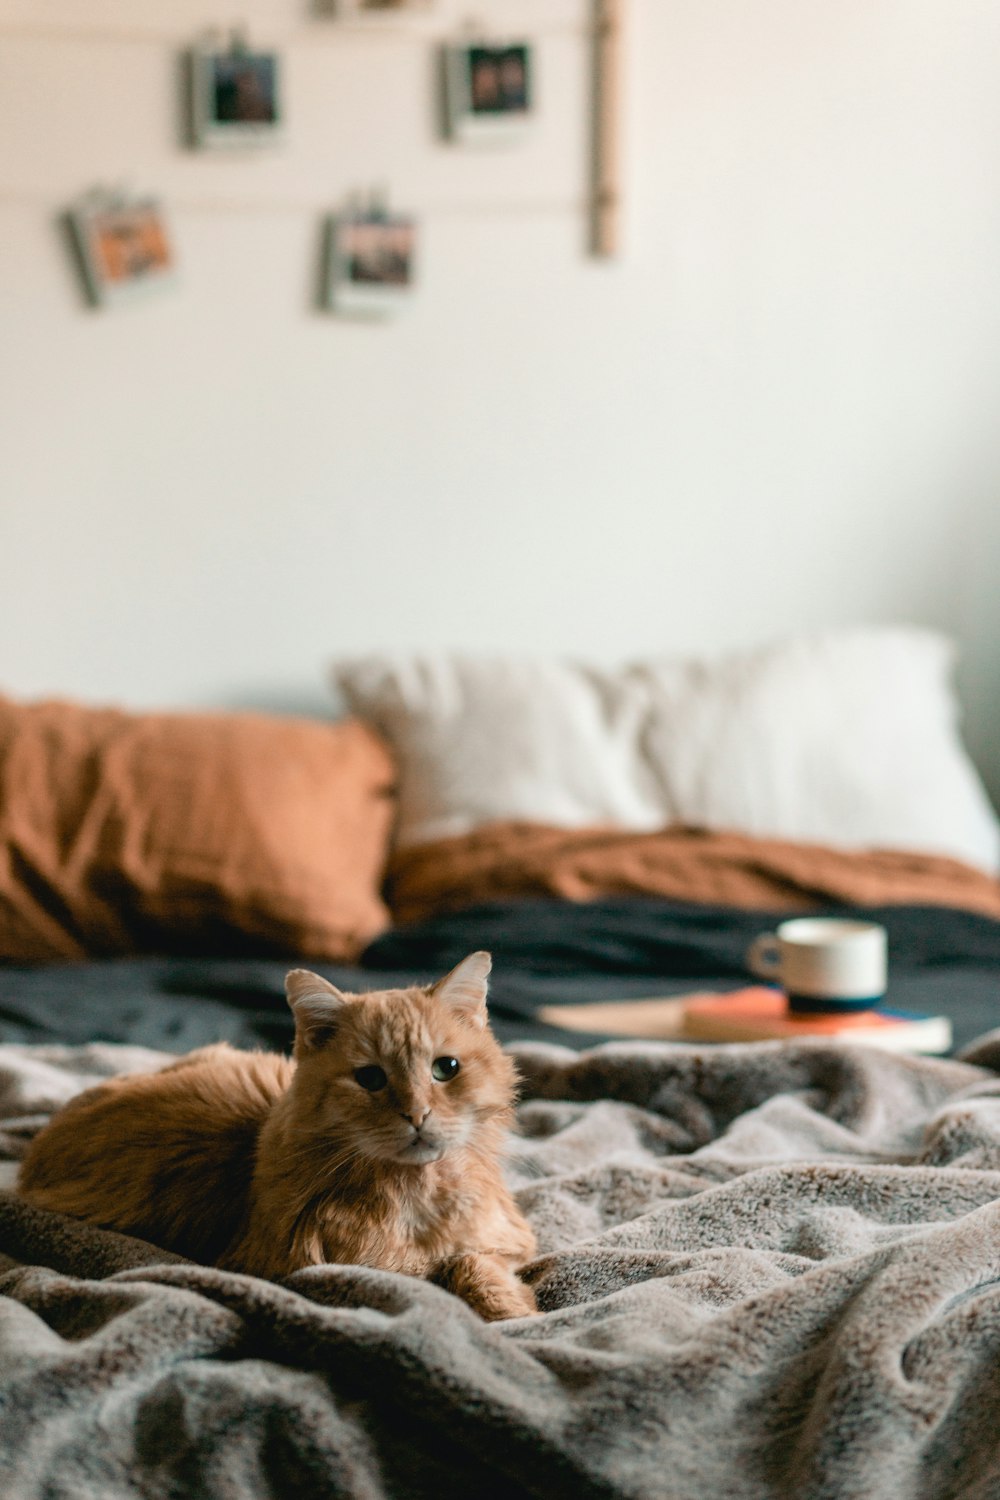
370	262
498	80
235	97
124	248
488	90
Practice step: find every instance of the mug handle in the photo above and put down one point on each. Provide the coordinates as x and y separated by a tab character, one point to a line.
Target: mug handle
764	956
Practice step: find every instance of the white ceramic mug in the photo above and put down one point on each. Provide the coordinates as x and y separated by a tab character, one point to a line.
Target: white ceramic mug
823	963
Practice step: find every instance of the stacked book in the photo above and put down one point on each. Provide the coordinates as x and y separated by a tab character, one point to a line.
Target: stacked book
754	1014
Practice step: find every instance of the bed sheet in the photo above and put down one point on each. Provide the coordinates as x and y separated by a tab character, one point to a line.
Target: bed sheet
546	953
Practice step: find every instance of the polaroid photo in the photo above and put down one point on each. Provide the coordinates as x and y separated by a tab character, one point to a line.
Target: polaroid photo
235	97
489	91
124	248
370	263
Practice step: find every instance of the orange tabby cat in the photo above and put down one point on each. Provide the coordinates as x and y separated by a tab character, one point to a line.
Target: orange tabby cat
379	1146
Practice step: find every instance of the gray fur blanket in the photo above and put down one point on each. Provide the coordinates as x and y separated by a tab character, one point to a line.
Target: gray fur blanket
766	1270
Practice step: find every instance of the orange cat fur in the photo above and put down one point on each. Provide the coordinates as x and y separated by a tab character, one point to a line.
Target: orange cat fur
371	1148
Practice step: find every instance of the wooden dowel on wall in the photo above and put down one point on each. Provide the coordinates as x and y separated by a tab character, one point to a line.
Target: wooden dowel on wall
605	228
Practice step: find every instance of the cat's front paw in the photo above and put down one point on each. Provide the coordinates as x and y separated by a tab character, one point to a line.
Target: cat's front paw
488	1285
512	1300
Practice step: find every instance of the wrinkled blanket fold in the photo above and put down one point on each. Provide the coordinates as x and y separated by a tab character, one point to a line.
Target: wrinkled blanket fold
501	860
765	1271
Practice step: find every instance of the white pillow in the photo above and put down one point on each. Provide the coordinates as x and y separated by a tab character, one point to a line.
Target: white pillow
480	739
847	739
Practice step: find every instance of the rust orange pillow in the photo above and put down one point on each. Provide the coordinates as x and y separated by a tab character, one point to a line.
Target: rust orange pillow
188	832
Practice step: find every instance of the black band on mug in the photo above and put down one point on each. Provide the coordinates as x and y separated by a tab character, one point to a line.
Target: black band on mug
820	1005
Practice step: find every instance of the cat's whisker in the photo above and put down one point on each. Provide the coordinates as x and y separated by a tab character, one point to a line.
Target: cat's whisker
337	1164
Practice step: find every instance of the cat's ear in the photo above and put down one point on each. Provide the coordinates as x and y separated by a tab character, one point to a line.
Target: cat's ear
316	1005
465	986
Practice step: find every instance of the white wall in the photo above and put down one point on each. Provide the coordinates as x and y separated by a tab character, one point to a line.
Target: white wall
778	410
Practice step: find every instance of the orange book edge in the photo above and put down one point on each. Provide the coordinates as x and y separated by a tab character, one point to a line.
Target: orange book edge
760	1003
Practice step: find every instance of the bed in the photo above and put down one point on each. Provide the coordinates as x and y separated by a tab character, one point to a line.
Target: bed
764	1270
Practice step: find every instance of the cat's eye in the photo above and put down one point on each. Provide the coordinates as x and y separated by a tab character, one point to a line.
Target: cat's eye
445	1068
371	1078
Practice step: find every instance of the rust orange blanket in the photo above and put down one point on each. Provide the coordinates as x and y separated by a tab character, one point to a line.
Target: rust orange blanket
502	860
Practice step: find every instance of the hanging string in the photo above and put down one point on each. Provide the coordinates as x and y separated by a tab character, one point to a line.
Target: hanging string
180	204
323	33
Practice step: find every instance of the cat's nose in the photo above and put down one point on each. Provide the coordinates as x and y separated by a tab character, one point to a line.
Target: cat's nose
417	1115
